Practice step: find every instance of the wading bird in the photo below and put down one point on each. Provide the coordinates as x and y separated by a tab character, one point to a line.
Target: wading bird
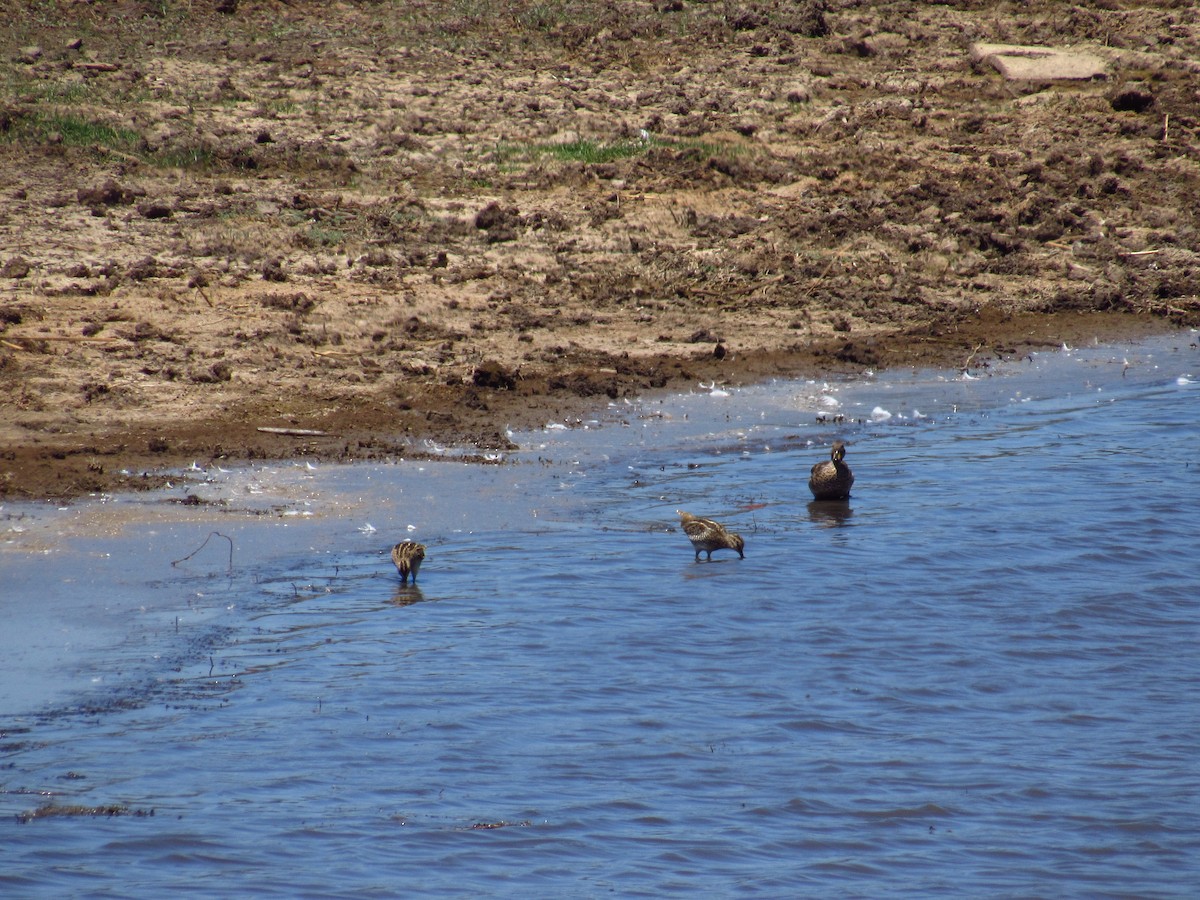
707	535
408	556
832	480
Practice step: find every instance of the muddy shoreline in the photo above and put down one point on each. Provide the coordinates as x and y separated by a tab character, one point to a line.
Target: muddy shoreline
472	420
399	223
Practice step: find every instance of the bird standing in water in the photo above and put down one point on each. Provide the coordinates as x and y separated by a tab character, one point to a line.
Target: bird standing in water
408	556
832	480
707	535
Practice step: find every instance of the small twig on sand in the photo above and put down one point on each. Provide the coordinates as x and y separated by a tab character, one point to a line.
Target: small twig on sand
211	535
967	363
295	432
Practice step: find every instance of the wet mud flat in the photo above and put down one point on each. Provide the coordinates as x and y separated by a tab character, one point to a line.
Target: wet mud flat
367	228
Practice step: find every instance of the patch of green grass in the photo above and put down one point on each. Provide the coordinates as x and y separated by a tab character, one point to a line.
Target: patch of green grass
319	236
329	231
77	131
73	130
510	156
463	25
64	97
404	218
592	152
282	106
544	15
183	158
65	93
40	15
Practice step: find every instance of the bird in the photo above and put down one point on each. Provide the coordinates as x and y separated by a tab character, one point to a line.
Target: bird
408	556
707	535
832	480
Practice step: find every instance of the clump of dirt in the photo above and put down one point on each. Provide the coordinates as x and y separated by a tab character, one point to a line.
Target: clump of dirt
386	223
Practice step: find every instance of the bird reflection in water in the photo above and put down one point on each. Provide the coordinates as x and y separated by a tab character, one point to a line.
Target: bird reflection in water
830	513
407	596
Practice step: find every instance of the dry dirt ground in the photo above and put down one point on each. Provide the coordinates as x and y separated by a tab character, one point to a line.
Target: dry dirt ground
390	221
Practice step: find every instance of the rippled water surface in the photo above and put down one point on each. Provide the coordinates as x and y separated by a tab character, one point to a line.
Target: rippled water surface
977	678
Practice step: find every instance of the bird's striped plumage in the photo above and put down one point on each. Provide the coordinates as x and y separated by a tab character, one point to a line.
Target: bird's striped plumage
408	556
707	535
832	480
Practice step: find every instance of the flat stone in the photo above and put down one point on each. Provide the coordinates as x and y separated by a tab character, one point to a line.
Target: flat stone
1022	62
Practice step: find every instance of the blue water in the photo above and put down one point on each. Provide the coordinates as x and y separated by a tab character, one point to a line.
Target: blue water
977	678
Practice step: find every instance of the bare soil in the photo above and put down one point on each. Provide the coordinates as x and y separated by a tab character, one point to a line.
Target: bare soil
391	221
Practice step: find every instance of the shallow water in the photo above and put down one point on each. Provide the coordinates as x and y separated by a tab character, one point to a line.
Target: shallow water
978	677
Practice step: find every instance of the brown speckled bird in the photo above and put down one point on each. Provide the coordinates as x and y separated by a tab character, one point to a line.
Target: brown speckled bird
408	556
832	480
707	535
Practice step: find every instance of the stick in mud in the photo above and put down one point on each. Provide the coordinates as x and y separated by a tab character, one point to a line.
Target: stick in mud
211	535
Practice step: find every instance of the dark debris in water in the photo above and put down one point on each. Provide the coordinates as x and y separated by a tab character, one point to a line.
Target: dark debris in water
487	826
197	500
190	690
51	810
